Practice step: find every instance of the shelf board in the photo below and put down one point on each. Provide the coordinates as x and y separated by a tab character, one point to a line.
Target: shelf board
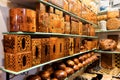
26	2
37	66
106	31
114	72
69	13
77	73
108	52
102	12
49	34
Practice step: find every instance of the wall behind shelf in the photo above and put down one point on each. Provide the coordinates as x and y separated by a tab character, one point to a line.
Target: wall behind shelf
104	35
4	27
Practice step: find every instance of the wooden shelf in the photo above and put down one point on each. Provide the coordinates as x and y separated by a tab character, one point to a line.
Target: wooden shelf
49	34
32	3
102	12
107	52
107	31
37	66
77	73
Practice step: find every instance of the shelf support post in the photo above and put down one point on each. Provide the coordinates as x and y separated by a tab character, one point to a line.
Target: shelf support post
7	76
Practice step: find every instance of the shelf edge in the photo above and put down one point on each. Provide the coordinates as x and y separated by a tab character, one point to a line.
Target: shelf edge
49	34
107	52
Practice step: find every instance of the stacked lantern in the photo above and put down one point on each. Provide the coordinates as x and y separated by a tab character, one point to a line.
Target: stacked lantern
17	52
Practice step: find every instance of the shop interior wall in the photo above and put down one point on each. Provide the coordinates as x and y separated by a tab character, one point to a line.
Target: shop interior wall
4	27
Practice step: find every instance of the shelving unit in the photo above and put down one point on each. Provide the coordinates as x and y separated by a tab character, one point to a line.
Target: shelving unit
77	73
37	66
107	31
32	3
49	34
